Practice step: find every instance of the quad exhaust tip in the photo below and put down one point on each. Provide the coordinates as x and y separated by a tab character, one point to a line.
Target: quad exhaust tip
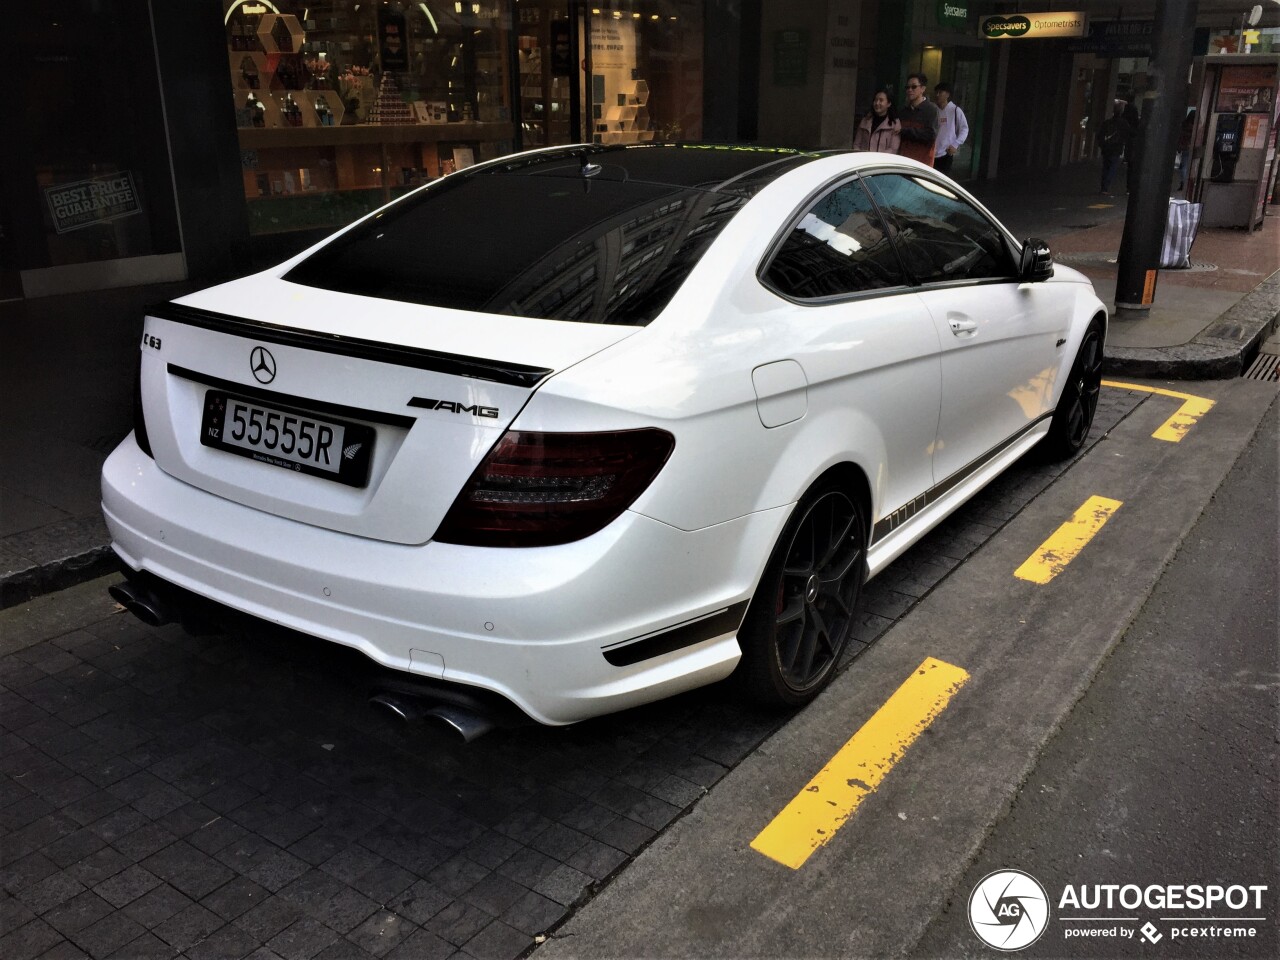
141	602
461	721
462	724
400	708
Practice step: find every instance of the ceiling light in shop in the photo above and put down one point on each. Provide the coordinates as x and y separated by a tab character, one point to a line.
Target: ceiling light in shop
432	20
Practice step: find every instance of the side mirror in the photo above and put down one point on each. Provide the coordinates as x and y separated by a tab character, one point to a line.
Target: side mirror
1037	261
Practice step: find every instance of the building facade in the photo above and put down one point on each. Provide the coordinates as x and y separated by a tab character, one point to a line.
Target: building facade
196	139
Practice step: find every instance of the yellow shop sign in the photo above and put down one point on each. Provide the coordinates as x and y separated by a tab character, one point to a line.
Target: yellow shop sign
1014	26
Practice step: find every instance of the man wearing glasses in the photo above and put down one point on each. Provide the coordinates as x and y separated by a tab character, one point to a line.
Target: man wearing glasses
919	122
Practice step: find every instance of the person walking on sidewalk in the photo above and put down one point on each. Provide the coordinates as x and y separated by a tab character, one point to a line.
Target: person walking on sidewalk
953	128
1186	137
1113	138
879	130
919	121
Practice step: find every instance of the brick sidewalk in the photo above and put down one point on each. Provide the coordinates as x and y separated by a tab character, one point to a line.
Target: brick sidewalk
230	795
1243	259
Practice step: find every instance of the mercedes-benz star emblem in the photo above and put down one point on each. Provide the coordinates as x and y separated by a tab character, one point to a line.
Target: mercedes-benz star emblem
263	365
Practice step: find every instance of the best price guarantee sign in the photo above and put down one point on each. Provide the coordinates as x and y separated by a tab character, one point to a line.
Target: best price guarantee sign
86	202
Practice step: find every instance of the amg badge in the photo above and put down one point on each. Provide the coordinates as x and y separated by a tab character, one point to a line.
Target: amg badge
452	406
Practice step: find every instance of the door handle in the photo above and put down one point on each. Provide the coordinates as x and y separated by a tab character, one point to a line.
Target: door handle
962	327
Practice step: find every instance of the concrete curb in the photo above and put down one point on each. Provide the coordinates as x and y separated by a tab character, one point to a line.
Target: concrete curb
1219	352
19	586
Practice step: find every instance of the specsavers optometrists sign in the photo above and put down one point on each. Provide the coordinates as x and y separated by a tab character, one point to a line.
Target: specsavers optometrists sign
1033	26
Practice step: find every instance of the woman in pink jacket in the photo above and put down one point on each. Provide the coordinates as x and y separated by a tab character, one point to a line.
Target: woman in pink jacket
879	130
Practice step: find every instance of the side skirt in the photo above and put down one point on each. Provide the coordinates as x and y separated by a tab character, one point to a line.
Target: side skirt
894	534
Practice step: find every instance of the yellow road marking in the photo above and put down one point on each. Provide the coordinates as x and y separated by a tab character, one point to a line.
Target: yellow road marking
1176	427
1068	540
1100	206
812	818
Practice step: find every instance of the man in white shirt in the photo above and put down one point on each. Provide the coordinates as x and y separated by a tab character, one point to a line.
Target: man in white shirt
953	128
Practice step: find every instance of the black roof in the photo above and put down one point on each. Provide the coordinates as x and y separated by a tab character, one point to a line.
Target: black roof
706	166
602	234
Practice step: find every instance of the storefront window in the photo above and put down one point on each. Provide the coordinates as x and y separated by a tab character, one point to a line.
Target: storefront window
546	69
1131	78
646	70
343	105
93	136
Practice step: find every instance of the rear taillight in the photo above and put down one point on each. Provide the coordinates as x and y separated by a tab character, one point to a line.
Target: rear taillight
139	421
540	489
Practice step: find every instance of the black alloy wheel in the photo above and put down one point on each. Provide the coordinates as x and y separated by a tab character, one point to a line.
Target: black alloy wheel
802	615
1073	417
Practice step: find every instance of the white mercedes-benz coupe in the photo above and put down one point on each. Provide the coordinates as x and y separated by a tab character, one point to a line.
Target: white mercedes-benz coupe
586	427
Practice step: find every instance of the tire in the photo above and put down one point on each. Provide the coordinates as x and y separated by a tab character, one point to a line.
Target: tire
1073	417
801	617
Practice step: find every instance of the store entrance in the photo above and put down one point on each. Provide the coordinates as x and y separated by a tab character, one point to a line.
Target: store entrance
964	68
967	90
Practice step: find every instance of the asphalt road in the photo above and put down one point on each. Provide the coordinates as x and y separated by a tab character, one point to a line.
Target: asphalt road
1166	771
1032	652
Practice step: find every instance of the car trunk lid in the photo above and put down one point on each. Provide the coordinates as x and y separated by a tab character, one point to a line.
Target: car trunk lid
351	413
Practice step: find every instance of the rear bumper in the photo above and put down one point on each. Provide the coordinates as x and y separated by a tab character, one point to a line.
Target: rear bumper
532	625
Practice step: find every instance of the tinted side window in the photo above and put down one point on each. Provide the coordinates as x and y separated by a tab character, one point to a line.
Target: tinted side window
941	235
839	247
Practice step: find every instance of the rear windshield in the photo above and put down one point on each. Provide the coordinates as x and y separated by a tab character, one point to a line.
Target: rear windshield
542	236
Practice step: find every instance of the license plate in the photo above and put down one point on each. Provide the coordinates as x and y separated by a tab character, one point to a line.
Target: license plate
285	437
